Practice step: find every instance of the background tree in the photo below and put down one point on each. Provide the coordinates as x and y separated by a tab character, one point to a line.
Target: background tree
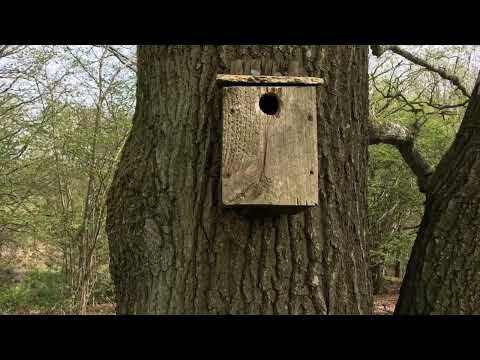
63	131
441	275
411	107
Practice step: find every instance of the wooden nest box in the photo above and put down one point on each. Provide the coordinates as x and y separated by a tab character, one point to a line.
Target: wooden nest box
269	152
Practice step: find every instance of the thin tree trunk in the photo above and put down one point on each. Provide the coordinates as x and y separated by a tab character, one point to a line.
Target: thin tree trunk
175	250
378	278
443	274
398	269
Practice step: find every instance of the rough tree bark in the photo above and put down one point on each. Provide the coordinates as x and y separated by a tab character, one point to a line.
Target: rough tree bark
175	250
443	274
398	269
378	278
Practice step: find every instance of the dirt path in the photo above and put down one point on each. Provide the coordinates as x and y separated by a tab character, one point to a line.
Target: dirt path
384	304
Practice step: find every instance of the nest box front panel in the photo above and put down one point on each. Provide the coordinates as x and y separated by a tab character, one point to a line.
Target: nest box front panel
269	146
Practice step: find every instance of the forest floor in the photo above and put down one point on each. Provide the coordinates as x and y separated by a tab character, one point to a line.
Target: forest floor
384	304
101	309
31	288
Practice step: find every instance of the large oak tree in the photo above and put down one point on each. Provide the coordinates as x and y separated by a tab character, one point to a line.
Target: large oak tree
443	274
176	250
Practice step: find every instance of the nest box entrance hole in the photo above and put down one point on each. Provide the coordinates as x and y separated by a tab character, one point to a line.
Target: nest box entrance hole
270	103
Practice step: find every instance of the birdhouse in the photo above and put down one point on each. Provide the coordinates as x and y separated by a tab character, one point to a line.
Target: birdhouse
269	143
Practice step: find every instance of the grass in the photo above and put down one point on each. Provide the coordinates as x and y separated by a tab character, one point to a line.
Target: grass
40	291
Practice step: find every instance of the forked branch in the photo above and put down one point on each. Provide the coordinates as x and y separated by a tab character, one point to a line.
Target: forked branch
404	140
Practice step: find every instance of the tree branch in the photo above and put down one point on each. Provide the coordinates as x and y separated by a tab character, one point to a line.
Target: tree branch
404	140
126	61
378	50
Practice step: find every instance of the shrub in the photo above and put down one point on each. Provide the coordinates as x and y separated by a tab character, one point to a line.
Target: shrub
41	291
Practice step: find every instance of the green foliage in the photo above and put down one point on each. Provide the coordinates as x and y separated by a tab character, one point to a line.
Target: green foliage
39	292
103	292
394	204
63	127
46	292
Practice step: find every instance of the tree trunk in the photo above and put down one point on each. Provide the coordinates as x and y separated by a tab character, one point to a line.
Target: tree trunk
443	274
378	279
175	250
398	269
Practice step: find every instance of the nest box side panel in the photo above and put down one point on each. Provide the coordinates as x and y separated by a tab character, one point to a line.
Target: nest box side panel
269	158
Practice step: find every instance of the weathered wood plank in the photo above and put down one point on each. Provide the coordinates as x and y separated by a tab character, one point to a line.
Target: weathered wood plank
229	79
270	159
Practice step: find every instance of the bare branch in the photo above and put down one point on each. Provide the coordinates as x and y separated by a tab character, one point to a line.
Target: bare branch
378	50
129	63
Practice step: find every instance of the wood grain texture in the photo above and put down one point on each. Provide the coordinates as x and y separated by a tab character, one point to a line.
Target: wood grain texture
269	159
228	79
